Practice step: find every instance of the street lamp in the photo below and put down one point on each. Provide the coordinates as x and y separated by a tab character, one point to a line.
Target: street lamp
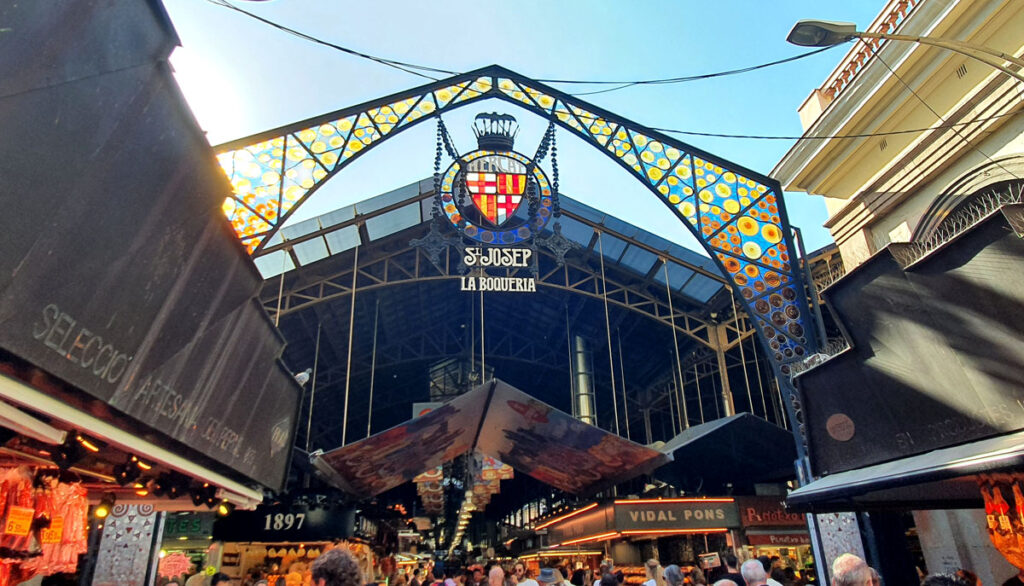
823	33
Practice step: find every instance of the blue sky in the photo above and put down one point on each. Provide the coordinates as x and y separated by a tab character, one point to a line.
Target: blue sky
241	76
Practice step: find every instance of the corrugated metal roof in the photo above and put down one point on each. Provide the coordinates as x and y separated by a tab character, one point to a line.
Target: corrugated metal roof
624	245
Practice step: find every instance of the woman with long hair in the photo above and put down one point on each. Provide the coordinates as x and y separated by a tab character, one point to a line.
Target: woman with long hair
654	573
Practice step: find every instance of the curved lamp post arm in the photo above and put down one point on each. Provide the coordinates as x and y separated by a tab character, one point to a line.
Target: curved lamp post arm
964	48
822	33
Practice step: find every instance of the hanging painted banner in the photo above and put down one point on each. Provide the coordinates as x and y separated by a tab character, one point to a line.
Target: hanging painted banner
556	448
498	421
397	455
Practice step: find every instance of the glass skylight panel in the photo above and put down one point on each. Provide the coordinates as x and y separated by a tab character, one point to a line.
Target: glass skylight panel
389	198
300	228
638	259
337	216
311	251
274	264
577	231
613	247
702	288
343	239
678	275
393	221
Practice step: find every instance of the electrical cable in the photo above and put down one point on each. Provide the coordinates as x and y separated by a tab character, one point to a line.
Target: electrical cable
416	69
688	78
400	65
834	136
412	69
967	141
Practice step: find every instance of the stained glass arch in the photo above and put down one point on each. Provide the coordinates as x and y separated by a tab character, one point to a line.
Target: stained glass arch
736	213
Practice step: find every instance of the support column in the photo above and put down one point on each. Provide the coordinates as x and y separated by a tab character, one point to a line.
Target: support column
722	338
584	374
647	425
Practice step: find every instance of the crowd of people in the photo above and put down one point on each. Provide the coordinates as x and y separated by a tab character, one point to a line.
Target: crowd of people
338	567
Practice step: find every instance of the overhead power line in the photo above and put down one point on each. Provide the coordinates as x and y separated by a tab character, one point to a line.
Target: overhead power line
670	80
418	70
400	65
834	136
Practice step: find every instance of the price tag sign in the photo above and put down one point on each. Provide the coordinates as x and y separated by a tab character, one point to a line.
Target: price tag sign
54	532
19	521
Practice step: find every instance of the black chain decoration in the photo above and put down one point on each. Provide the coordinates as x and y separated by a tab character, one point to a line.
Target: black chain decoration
461	198
448	145
435	209
545	142
533	197
556	208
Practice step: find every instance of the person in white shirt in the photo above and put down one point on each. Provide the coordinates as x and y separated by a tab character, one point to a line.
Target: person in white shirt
522	579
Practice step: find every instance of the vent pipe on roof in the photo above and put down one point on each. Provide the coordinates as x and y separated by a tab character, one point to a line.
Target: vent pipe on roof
583	370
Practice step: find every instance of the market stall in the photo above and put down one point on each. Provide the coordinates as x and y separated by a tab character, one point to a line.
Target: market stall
45	524
633	530
769	529
283	541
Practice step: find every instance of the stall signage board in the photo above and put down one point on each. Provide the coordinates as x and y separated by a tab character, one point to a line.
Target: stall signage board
188	525
779	539
593	522
767	512
286	524
676	515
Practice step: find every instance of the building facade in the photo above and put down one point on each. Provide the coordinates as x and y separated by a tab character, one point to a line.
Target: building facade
918	152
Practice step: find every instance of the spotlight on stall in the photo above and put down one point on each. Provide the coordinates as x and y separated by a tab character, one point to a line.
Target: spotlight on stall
102	510
141	463
225	508
92	445
68	453
210	496
161	485
127	473
196	493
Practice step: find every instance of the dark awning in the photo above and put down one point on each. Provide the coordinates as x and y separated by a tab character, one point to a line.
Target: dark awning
742	446
125	297
940	478
497	420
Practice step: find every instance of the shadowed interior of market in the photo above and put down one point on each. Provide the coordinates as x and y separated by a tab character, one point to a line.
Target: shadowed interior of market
416	340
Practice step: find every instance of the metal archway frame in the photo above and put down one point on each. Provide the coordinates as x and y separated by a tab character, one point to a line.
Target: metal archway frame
737	214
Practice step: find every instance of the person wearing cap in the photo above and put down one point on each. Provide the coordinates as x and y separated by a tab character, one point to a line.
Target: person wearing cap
550	577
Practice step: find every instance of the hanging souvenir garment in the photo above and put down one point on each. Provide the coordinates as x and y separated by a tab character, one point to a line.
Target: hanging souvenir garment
66	538
19	511
1005	521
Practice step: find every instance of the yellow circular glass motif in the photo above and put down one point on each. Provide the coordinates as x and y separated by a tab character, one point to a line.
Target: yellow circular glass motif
747	225
752	250
771	233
